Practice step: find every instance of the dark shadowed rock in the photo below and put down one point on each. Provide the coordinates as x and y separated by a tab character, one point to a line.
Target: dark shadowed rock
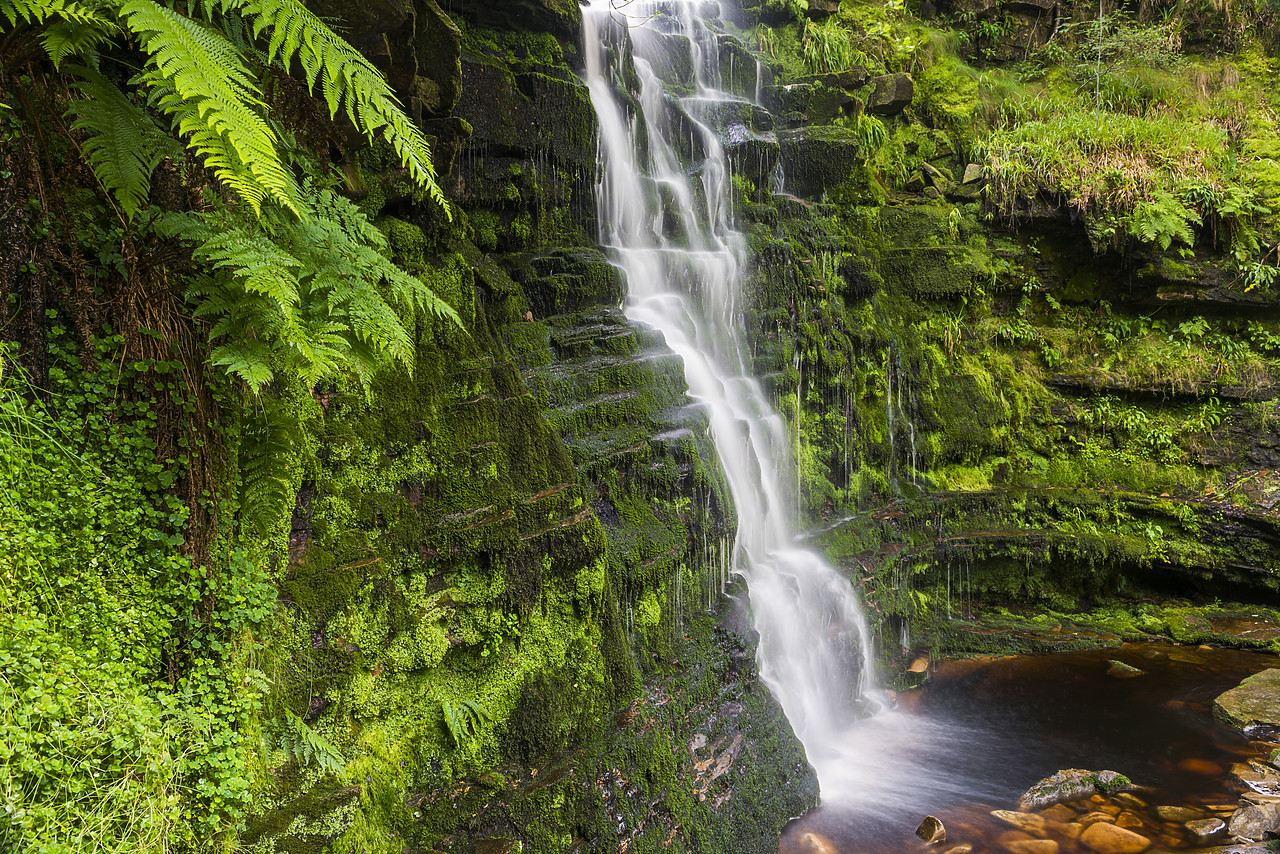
561	18
572	279
754	155
362	19
861	281
819	158
820	10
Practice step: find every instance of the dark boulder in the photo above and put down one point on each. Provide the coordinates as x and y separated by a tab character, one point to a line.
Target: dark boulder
561	18
861	281
816	159
892	93
820	10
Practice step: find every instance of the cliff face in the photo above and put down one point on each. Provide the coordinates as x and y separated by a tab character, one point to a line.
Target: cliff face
505	570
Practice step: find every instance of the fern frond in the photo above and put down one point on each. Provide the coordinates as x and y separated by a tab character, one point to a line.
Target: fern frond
304	745
249	360
464	719
266	485
73	38
203	83
347	80
40	11
125	145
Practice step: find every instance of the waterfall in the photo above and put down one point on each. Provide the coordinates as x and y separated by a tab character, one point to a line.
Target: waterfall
666	217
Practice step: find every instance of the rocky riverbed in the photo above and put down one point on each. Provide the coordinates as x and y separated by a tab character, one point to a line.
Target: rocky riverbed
1158	747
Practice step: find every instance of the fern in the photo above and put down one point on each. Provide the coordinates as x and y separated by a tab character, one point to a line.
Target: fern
202	75
125	144
205	86
346	79
464	719
315	297
266	484
40	11
1162	220
307	747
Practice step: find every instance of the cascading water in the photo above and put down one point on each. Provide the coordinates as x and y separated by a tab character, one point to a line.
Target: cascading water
666	217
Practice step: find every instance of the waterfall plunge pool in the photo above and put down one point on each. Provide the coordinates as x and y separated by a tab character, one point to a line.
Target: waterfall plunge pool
982	731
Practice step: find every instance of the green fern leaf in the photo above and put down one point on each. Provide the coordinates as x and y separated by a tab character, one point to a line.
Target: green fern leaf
125	145
266	484
249	360
73	38
40	11
464	719
203	83
347	80
307	747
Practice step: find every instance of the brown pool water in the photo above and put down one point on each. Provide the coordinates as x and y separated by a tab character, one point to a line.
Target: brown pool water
981	732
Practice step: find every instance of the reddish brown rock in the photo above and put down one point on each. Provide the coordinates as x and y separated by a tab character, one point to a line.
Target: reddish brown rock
1109	839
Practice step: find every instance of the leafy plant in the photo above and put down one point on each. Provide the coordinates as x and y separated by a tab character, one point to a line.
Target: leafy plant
201	71
266	483
307	747
871	134
825	47
304	296
463	719
1161	220
1191	331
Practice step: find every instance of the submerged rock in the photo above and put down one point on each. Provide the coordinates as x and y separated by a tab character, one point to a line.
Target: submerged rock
1120	670
1254	702
1073	783
812	843
1109	839
932	831
1180	814
1028	822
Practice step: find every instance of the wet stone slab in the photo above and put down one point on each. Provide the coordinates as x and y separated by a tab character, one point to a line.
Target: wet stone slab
1254	702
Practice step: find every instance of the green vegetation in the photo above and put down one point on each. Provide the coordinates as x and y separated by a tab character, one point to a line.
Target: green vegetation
128	689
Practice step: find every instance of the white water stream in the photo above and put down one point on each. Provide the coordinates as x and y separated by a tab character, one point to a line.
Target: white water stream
667	220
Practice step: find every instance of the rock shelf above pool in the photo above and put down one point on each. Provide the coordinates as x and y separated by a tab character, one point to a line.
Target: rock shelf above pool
1255	702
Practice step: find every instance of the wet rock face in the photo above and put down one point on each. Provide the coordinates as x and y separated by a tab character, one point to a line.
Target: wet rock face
562	18
1254	701
816	159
